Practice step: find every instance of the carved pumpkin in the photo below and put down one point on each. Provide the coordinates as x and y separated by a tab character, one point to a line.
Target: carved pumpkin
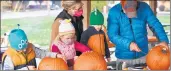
158	58
48	63
90	61
110	44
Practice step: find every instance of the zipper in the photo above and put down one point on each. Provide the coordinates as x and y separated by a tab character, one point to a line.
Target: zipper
25	56
100	43
130	20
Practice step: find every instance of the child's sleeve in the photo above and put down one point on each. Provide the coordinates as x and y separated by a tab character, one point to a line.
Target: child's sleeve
54	48
7	64
43	53
81	47
107	52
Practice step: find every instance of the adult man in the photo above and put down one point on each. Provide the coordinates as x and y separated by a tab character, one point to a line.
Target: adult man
127	23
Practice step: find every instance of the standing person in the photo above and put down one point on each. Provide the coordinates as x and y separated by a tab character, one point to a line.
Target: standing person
94	37
127	30
72	10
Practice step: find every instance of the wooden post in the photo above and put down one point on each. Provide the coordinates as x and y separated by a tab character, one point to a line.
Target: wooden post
20	5
86	13
16	6
153	5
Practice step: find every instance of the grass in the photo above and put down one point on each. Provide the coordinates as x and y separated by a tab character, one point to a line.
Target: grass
98	4
37	28
164	19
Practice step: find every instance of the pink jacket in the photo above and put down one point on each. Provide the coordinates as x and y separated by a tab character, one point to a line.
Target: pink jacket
78	46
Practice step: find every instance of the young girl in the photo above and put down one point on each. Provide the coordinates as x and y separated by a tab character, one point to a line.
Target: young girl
66	44
72	10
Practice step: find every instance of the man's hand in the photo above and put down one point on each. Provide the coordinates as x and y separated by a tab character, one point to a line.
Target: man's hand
31	67
164	44
134	47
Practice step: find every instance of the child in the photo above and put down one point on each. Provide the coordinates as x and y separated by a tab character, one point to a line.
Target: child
94	37
72	10
66	44
21	54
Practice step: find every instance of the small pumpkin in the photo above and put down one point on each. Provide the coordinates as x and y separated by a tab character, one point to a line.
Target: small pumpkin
110	44
158	58
90	61
48	63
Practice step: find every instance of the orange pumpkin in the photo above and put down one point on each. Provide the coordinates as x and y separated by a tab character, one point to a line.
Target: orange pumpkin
90	61
152	39
48	63
158	58
96	43
110	44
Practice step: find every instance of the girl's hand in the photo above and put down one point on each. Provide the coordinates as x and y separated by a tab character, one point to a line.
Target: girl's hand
61	56
88	51
31	67
75	58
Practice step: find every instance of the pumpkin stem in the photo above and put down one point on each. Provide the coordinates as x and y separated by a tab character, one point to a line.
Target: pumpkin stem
164	50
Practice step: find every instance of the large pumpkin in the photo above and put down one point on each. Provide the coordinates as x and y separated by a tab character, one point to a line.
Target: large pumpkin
158	58
48	63
110	44
90	61
96	43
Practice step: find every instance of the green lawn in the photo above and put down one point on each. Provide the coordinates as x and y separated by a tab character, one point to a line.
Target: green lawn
164	19
37	28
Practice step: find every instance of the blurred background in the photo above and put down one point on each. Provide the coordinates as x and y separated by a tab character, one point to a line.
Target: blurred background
36	17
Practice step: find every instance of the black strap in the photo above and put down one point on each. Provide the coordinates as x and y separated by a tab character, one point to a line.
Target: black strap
19	66
3	62
32	62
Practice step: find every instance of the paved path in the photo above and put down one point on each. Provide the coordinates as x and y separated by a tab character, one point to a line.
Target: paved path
10	15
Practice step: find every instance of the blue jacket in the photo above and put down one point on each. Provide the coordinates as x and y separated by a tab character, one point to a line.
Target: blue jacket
122	30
